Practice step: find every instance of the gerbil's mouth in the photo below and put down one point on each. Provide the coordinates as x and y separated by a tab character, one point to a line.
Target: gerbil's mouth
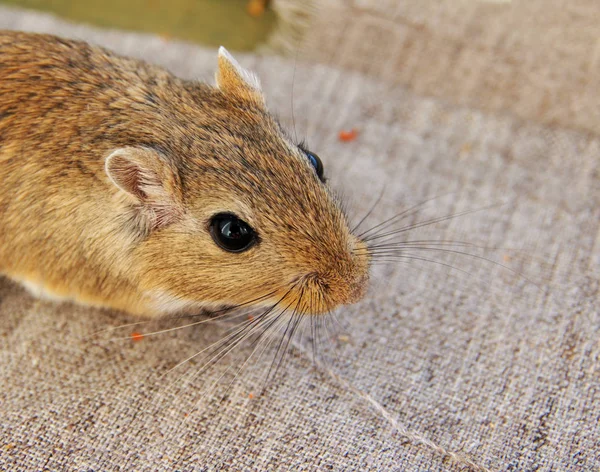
316	294
340	279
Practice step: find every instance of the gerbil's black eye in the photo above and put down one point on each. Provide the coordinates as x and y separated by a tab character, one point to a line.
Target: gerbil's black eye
231	233
316	163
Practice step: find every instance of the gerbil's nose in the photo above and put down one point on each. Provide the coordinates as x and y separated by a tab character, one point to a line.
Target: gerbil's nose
341	280
359	273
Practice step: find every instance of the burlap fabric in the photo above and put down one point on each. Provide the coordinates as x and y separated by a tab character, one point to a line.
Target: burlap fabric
439	368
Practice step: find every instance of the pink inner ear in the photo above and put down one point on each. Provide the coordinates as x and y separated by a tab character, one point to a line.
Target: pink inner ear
128	176
131	175
138	172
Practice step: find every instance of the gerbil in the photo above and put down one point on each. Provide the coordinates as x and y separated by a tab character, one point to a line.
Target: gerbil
126	187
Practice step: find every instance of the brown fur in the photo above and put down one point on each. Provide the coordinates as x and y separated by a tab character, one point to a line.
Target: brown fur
116	232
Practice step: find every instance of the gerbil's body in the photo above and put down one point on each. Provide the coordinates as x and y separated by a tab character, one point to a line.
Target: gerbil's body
110	173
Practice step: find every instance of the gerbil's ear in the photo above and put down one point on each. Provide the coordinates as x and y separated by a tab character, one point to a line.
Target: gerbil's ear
149	179
233	79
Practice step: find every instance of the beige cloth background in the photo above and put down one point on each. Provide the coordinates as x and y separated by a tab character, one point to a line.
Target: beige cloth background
438	369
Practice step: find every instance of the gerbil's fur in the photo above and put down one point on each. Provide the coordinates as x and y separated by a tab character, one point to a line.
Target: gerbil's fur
111	169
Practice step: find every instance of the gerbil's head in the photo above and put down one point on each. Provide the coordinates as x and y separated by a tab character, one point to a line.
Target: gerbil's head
230	211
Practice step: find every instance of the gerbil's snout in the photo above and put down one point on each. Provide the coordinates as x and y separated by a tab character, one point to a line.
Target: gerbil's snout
342	281
359	277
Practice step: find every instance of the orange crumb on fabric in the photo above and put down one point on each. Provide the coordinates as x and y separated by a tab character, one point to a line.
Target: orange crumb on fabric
250	396
347	136
135	336
256	8
250	317
506	258
166	37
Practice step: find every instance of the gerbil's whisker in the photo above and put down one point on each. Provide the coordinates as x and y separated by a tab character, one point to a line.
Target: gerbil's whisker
398	217
292	97
214	345
256	344
234	337
372	249
264	327
225	312
431	221
313	338
337	319
189	325
398	250
395	257
113	328
362	220
417	242
331	337
325	338
291	326
226	345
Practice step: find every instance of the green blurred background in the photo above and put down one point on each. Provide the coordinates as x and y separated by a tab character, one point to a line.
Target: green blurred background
237	24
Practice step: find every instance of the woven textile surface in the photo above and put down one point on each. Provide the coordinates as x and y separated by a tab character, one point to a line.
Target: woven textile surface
456	364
